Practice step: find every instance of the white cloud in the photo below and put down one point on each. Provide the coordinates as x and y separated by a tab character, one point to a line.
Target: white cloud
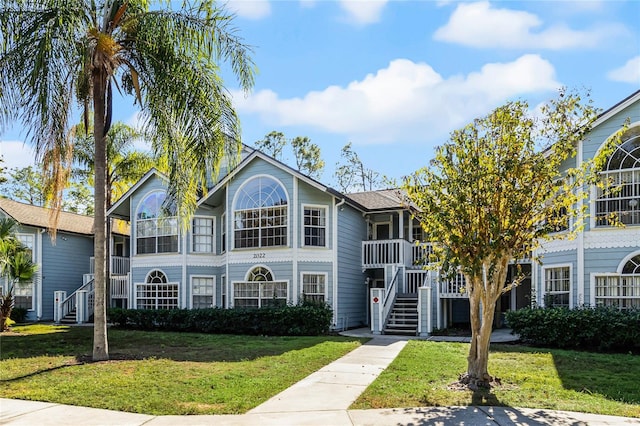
406	101
481	25
250	9
362	12
628	73
16	154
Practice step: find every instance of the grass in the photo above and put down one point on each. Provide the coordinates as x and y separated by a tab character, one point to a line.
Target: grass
531	378
158	373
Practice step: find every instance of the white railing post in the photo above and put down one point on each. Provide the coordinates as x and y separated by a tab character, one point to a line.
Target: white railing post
377	310
58	298
81	306
424	311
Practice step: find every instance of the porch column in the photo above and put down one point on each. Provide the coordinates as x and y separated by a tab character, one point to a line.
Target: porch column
424	311
58	298
82	314
377	310
401	225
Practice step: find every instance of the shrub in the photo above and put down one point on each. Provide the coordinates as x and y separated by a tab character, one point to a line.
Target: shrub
305	319
19	315
600	328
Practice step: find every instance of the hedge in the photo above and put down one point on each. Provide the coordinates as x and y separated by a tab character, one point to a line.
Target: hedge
306	319
600	328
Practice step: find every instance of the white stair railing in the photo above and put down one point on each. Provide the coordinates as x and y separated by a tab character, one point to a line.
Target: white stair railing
70	303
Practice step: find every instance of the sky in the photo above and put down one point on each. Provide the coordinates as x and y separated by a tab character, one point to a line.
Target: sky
394	78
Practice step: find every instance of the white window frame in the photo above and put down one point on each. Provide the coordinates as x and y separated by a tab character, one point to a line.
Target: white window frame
324	275
325	227
544	282
223	232
192	278
223	291
261	210
144	286
24	289
194	236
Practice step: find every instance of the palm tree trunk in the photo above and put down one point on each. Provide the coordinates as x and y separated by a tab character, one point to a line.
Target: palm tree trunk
100	343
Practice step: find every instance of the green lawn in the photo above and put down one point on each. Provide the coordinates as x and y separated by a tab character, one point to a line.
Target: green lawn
187	373
535	378
159	373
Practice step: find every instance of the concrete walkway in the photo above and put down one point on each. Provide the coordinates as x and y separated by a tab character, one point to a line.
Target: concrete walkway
322	398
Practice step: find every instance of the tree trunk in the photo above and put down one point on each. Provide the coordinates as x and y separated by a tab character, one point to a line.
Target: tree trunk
100	343
481	325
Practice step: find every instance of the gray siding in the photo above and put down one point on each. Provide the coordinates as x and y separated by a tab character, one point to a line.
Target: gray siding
352	292
63	265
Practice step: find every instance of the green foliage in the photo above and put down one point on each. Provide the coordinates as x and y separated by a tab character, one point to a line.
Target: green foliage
600	328
352	175
306	154
272	144
306	319
19	315
26	185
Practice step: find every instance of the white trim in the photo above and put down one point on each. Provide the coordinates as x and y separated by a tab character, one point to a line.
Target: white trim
580	243
212	277
224	294
375	228
35	301
543	287
259	265
626	259
39	275
134	227
223	232
615	110
183	270
135	187
326	224
326	282
295	246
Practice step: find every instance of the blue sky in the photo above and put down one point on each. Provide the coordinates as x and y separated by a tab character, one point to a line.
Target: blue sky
395	77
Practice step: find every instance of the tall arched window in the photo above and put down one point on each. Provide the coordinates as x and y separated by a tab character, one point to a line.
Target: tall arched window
156	292
155	233
619	200
260	214
632	266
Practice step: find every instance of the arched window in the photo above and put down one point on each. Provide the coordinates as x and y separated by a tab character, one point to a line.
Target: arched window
259	290
260	214
157	292
619	200
155	233
632	266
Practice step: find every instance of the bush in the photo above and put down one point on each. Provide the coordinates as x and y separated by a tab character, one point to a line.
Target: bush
19	315
305	319
600	328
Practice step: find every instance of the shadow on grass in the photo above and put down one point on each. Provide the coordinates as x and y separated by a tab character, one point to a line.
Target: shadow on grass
612	375
137	345
481	416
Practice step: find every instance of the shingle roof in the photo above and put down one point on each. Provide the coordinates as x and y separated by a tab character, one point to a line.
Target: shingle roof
27	214
385	199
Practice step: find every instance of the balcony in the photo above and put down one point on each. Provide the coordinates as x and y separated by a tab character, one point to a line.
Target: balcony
381	253
119	265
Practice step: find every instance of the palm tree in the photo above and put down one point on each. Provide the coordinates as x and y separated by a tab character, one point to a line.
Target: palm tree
56	54
15	264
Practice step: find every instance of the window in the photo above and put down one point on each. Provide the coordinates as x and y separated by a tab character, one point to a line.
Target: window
202	235
620	290
223	291
202	292
260	290
23	292
155	233
223	233
620	198
314	287
557	284
315	226
416	232
260	214
156	292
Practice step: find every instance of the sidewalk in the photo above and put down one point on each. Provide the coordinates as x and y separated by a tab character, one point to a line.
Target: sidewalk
321	398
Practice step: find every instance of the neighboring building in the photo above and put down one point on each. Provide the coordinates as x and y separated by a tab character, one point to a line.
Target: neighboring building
61	263
602	265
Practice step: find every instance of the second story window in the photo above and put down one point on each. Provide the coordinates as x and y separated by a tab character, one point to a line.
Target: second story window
260	214
202	235
155	233
315	226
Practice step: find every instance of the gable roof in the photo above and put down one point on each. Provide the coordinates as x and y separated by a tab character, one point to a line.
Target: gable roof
384	199
121	207
27	214
629	100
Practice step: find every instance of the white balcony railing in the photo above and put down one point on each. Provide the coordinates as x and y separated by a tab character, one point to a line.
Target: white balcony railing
119	265
381	253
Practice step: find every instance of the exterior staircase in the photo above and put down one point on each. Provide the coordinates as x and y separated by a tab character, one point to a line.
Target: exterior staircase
403	318
69	318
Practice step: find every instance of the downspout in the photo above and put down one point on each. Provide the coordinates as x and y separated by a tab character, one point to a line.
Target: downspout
336	209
